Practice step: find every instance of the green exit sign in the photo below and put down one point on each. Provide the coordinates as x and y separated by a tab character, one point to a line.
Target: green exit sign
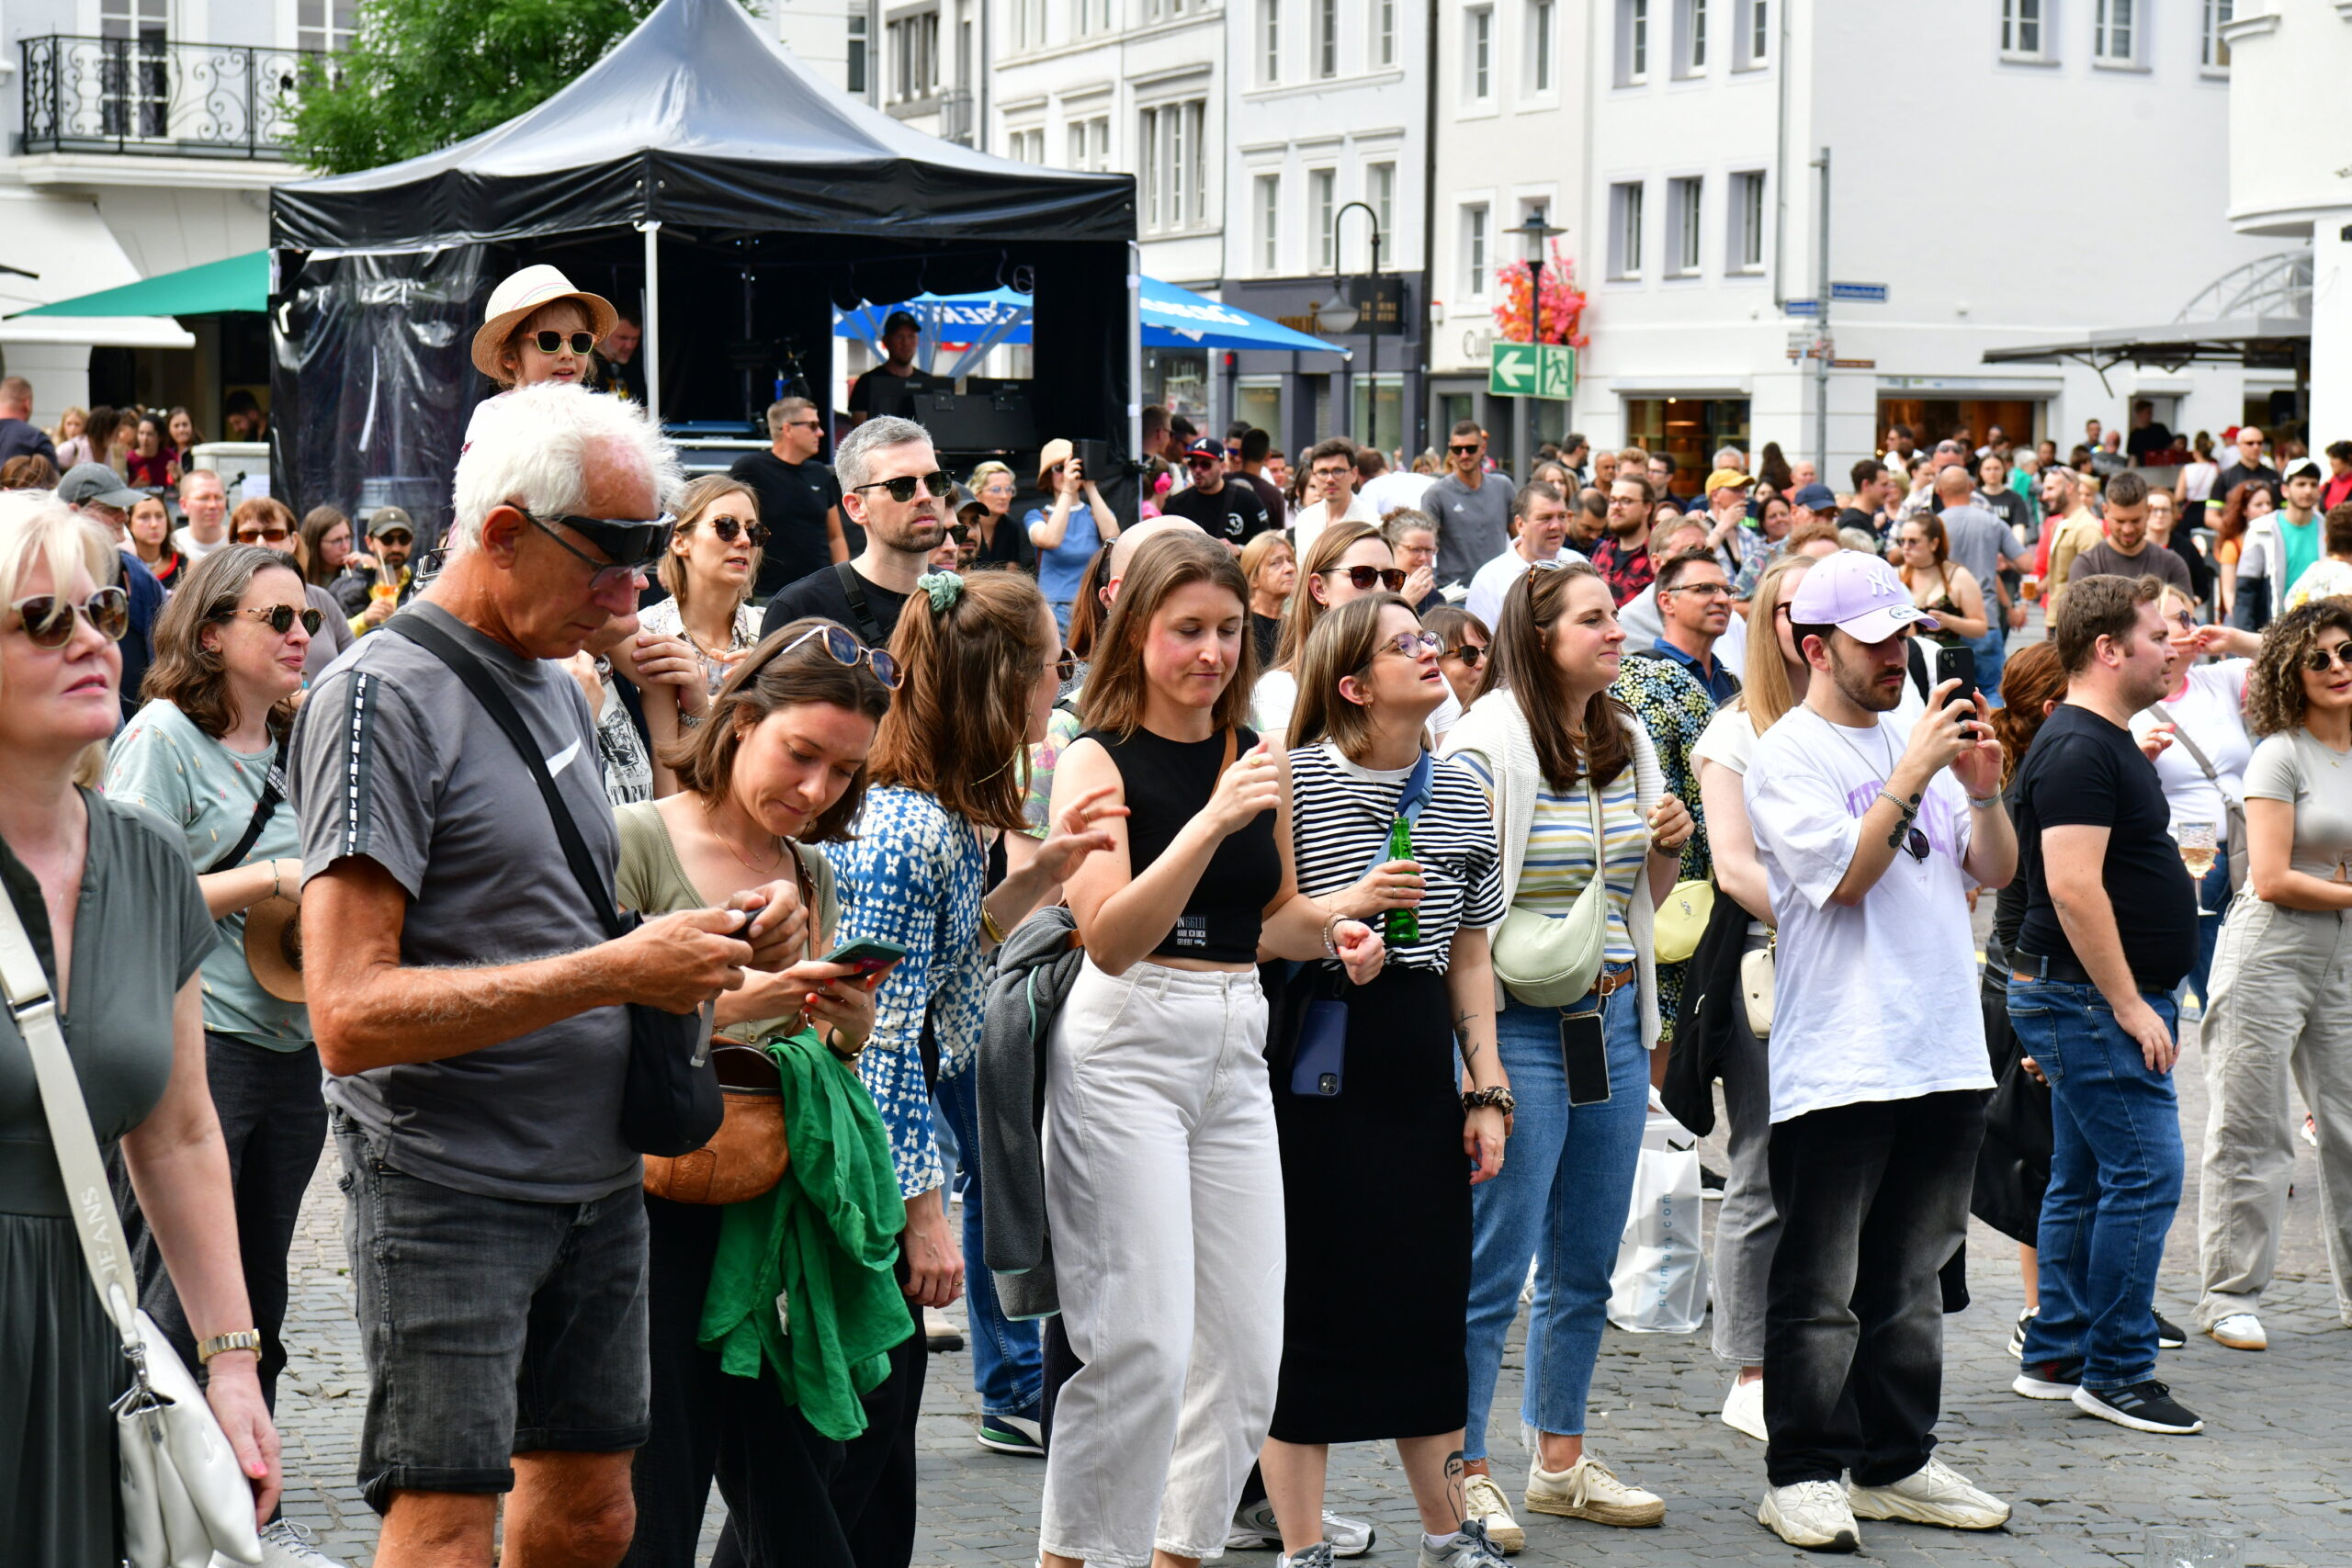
1532	370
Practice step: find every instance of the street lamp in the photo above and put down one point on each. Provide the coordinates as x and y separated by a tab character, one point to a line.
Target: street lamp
1340	316
1534	233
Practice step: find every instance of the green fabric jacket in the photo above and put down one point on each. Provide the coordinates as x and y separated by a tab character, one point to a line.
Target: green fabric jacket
805	1286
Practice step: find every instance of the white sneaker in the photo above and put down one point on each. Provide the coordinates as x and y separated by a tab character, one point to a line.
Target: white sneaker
1472	1546
2240	1331
1484	1501
285	1544
1810	1514
1935	1494
1254	1529
1588	1490
1743	1409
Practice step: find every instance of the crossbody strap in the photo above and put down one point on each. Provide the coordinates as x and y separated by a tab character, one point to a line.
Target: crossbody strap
2164	715
86	1191
478	681
854	587
273	791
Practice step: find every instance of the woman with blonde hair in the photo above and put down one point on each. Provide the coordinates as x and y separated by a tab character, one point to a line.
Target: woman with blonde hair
713	560
997	539
1270	566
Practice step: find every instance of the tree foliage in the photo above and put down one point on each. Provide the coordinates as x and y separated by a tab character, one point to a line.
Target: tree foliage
425	73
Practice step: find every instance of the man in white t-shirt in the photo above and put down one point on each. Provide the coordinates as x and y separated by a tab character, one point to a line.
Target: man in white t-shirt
1332	476
1385	489
1870	843
1539	532
204	501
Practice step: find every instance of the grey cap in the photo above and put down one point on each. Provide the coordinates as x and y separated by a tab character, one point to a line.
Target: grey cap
385	517
86	482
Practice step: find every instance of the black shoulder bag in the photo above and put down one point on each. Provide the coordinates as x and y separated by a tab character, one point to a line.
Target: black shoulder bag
669	1099
272	793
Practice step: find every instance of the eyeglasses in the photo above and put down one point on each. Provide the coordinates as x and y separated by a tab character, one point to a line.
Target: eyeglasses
730	529
902	489
1703	590
1464	451
48	618
1065	667
1470	653
281	617
1412	645
552	342
845	649
255	535
1366	578
2319	660
602	575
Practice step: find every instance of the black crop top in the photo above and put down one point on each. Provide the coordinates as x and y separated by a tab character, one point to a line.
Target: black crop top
1167	784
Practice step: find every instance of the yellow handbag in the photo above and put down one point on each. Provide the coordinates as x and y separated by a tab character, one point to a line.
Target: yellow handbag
1682	917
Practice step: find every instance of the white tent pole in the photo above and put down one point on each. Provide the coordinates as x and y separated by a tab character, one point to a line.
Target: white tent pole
651	228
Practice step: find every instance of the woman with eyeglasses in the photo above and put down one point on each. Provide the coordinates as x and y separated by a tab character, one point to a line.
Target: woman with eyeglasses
1462	655
978	660
2280	1007
122	928
229	647
151	538
1346	561
713	560
1066	534
1271	567
777	771
269	522
324	546
1939	585
1555	750
1417	1121
997	539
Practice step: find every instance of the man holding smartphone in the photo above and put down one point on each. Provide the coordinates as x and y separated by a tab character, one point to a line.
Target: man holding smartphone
1870	841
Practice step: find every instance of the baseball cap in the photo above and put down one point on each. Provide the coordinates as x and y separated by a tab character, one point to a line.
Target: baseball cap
2306	469
1727	479
897	319
385	518
86	482
1859	594
1814	498
1207	448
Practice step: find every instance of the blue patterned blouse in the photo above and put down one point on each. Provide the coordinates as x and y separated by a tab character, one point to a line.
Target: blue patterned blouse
913	876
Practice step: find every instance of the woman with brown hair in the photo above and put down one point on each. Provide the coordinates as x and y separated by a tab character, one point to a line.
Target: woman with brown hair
2248	503
713	560
269	522
324	546
1346	561
1939	585
150	539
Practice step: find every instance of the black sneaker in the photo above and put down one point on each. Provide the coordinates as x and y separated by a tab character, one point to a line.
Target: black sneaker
2144	1406
2168	1334
2050	1380
2017	1334
1711	1183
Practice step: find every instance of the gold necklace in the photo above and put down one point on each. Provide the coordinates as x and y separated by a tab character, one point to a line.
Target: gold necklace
776	857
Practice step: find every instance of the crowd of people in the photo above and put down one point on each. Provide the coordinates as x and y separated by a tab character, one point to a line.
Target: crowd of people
1109	921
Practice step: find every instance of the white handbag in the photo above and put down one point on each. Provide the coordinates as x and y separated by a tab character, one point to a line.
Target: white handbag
184	1496
1551	961
1758	971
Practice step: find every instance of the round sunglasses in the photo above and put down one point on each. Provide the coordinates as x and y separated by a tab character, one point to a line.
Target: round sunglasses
731	529
280	618
549	340
845	647
2319	660
1470	653
48	618
1366	578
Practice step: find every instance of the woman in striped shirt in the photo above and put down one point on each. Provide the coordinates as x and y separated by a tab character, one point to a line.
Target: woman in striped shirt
1543	730
1390	1145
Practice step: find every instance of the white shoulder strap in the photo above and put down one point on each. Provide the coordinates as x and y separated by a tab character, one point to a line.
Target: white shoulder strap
94	1219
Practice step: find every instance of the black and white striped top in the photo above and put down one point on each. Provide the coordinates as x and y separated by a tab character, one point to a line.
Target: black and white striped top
1340	813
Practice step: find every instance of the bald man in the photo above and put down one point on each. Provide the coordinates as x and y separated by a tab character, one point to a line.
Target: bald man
1984	544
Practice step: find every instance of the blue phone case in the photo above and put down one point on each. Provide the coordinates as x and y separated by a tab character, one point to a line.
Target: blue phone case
1319	1066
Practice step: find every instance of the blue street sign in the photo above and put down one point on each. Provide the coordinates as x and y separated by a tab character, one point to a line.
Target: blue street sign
1801	307
1860	293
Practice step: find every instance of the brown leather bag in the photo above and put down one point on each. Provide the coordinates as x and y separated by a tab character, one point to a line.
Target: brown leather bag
747	1156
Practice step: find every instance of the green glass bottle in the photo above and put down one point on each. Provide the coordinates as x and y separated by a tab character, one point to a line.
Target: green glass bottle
1401	927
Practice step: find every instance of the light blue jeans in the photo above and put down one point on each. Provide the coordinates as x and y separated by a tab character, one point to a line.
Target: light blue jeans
1566	1182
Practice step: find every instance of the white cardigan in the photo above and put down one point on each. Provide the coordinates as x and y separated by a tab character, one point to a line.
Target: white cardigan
1496	732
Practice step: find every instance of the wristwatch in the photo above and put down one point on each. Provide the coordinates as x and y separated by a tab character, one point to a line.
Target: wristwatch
244	1340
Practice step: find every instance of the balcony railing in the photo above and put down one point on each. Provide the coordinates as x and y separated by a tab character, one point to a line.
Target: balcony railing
155	98
956	117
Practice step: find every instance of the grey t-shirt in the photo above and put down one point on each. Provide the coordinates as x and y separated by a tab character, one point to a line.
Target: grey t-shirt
1979	541
2104	559
2317	783
1472	526
394	761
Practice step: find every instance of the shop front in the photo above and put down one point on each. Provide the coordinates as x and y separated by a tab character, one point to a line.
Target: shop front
1690	430
1373	396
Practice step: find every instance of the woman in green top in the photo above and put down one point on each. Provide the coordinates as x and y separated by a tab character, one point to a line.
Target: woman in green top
776	768
115	915
229	653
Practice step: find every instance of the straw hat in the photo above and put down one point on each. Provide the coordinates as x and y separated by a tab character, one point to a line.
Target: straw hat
520	295
1054	451
273	946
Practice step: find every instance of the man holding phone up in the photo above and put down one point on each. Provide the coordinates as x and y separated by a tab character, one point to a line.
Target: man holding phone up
1869	842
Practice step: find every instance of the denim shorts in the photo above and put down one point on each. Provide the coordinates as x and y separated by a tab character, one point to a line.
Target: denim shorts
493	1326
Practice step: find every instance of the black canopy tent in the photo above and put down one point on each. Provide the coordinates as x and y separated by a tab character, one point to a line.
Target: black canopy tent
701	173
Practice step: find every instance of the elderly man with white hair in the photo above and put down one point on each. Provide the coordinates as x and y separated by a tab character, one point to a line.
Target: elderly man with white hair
471	994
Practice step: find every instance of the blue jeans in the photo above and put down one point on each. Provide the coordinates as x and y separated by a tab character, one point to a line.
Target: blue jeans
1566	1182
2115	1176
2214	897
1007	1364
1991	653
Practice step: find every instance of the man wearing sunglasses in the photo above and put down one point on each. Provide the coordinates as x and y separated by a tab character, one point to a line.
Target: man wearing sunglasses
1473	511
886	388
471	1010
1870	841
1539	532
97	493
893	489
800	500
392	539
1222	503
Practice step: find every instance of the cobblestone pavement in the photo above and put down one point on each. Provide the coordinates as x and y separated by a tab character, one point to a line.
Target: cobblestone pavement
2276	1462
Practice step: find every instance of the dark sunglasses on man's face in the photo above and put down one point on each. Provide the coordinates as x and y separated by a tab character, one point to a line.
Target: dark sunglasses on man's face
552	342
280	618
1202	463
1366	578
48	618
730	529
1464	451
902	489
400	536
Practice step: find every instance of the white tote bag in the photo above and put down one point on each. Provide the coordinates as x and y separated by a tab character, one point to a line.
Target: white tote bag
1659	1285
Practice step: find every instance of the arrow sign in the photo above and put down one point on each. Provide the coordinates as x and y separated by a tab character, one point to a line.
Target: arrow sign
1860	293
1511	370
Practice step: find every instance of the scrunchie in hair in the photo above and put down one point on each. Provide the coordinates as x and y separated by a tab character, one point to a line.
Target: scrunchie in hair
944	588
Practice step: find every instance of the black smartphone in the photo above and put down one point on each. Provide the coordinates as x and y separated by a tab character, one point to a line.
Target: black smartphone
1320	1068
1585	1056
1957	664
870	954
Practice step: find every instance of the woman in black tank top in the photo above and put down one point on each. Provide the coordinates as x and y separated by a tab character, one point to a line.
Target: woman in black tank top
1160	1141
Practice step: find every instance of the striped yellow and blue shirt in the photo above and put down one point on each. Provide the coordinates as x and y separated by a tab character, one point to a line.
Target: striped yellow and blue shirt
1559	858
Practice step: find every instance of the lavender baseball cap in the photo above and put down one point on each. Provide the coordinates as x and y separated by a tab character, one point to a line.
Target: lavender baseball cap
1859	594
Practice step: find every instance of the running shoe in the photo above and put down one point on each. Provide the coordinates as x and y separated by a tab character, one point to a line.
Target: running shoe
2050	1380
1815	1515
2144	1406
1935	1494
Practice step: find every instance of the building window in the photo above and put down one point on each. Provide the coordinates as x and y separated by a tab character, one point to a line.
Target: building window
1323	191
1756	36
2213	51
1090	144
1685	198
1478	57
2113	35
2021	28
1026	146
1175	165
857	53
1694	38
1029	23
1270	223
1380	195
1474	249
1625	202
1270	40
914	57
1747	249
1383	33
1539	44
327	25
1326	37
1632	42
1094	17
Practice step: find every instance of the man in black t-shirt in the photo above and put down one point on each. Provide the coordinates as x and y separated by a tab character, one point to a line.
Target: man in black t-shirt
2109	930
883	389
1224	506
866	594
800	499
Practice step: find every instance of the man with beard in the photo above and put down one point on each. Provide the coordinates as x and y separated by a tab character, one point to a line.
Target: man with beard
1870	841
892	486
2127	550
391	538
1623	557
2091	999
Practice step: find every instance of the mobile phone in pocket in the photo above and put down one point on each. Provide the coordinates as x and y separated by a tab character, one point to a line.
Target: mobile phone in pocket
1584	1055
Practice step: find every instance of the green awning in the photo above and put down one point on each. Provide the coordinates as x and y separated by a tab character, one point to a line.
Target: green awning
240	283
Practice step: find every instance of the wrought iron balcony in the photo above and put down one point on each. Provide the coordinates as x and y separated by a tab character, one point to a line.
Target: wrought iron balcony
151	97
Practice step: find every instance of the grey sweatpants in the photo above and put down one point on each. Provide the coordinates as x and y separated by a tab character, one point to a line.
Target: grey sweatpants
2281	1005
1747	1227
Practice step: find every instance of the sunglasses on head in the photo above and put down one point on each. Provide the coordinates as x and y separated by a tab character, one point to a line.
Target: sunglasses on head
280	618
1365	578
2319	660
843	645
730	529
902	489
549	340
255	535
48	618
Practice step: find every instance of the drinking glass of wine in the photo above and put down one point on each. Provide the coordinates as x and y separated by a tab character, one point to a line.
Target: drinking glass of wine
2199	842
